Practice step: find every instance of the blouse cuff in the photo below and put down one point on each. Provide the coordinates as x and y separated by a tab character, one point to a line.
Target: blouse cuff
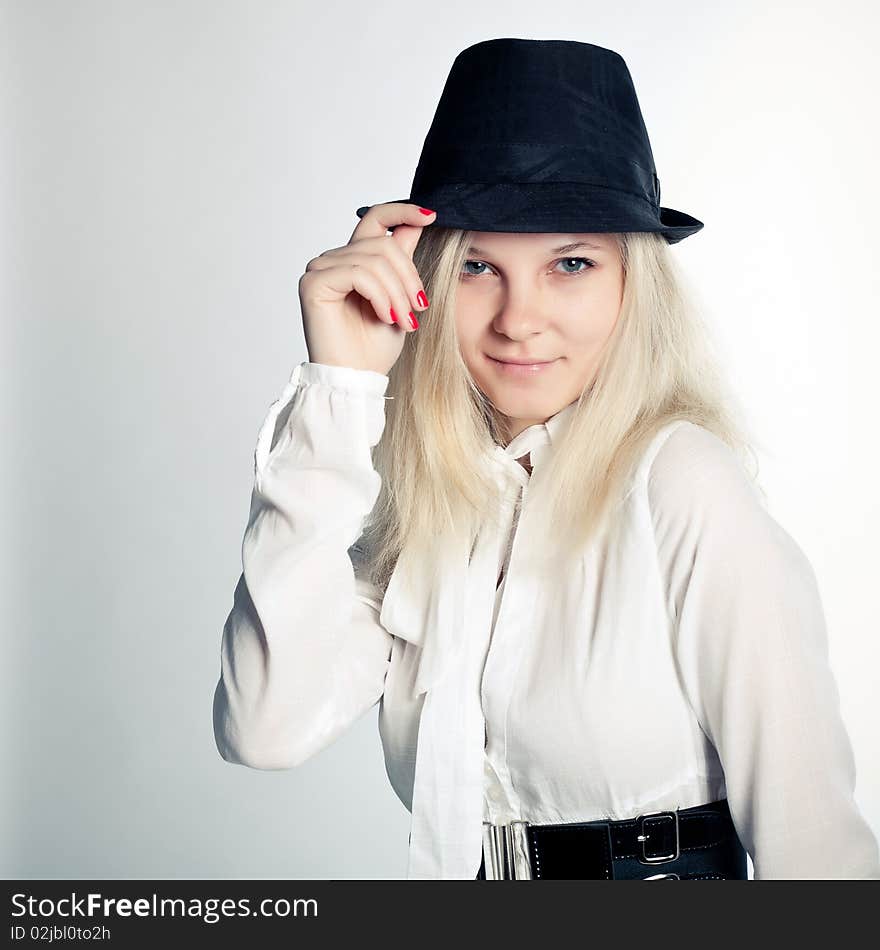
336	413
342	377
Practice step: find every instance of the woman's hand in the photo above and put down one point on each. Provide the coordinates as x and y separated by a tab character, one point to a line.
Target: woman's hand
347	293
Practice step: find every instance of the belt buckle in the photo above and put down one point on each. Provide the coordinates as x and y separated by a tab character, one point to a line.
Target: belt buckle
502	859
644	857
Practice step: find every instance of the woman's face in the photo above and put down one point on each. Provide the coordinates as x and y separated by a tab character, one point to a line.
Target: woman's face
536	297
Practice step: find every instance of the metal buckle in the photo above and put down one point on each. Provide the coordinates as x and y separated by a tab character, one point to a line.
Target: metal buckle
506	854
644	858
662	877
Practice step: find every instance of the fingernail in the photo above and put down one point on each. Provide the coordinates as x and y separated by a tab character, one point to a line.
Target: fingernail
413	321
422	299
426	210
393	315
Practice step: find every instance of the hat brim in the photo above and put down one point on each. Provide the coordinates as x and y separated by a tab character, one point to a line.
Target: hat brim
557	208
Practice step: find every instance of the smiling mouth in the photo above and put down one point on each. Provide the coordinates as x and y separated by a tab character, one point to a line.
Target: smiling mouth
521	370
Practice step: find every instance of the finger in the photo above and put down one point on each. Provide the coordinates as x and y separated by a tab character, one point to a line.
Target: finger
401	255
380	289
396	290
383	248
406	237
382	217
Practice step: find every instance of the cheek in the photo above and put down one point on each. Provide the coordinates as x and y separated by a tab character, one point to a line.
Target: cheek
468	340
591	323
469	327
584	333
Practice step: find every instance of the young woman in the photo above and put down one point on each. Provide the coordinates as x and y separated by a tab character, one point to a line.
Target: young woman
596	653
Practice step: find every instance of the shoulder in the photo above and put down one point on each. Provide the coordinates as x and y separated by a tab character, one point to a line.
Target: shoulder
685	449
702	498
692	472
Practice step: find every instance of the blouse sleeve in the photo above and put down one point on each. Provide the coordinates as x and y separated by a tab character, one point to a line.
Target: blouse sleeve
303	654
751	645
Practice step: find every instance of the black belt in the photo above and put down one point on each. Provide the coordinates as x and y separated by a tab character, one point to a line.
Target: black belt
689	844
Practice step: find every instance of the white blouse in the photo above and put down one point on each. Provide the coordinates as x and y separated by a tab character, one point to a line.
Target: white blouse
684	661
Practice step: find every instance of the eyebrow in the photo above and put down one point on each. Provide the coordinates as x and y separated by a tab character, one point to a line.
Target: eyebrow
555	250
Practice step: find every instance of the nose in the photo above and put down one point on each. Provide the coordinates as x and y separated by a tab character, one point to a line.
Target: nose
520	314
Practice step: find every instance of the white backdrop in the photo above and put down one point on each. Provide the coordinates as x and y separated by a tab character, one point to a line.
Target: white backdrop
167	171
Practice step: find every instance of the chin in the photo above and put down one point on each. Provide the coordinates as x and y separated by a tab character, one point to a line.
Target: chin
519	408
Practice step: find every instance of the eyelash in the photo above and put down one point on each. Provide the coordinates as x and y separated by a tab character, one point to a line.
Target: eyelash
590	265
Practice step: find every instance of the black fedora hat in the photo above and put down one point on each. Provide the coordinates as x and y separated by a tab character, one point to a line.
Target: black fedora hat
541	135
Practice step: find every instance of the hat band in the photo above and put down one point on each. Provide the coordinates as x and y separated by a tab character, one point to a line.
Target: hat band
527	163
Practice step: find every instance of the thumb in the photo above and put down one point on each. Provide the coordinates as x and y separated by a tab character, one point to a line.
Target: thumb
407	236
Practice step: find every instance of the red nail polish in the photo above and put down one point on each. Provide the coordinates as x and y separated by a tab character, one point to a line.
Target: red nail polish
426	210
422	299
413	321
393	315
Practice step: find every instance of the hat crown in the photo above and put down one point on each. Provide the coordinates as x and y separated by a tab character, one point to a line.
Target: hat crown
513	90
515	110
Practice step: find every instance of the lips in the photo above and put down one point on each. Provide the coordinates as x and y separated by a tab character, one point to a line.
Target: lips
526	362
512	369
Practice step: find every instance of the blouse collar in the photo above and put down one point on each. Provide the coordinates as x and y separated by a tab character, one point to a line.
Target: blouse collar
542	432
535	441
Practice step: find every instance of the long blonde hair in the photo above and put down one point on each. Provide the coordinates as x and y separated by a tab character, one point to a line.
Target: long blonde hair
657	366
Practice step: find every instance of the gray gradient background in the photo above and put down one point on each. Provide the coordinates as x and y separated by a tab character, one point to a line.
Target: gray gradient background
166	171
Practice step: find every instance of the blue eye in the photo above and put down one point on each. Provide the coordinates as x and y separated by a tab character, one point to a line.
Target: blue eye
588	264
475	263
583	260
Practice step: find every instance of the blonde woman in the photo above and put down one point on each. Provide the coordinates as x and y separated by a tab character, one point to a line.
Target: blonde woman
510	499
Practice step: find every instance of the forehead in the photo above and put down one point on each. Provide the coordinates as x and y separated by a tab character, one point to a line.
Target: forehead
499	242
